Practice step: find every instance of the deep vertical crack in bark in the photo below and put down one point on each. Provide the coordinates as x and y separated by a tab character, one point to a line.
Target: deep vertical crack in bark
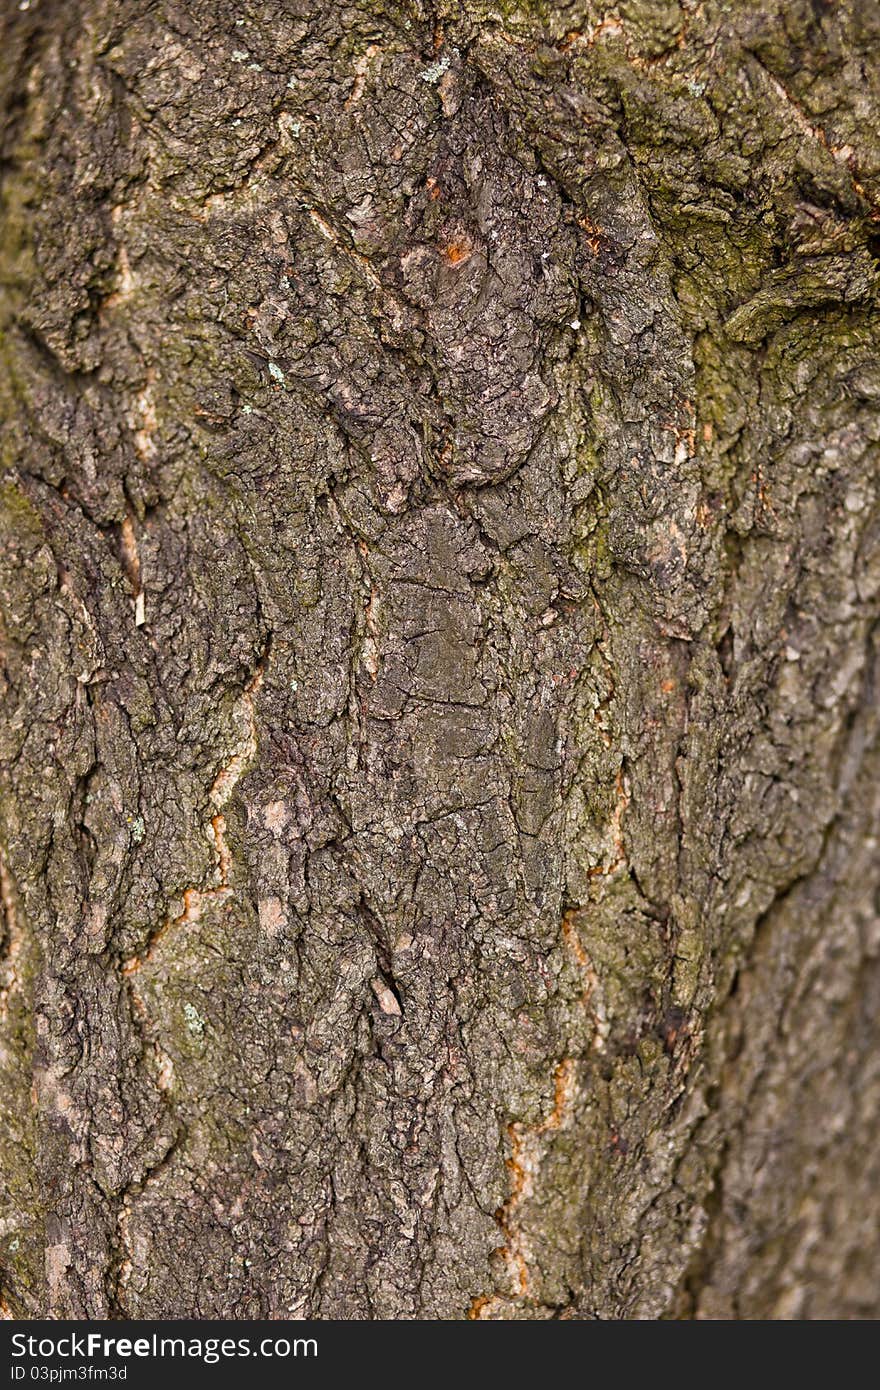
197	896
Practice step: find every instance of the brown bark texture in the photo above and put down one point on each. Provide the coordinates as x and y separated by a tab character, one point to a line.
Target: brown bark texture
438	694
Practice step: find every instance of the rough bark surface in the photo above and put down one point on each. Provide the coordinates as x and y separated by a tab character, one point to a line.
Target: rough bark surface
440	578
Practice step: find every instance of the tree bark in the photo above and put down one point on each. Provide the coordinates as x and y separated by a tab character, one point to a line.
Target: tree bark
440	586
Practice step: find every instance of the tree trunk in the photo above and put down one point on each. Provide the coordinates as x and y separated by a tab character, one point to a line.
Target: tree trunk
440	657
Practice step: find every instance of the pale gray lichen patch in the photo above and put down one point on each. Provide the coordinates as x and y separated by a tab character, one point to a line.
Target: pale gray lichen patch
436	70
194	1021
